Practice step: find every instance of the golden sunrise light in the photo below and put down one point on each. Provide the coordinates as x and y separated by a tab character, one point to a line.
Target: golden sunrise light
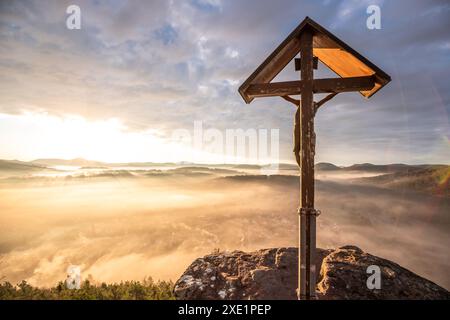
223	150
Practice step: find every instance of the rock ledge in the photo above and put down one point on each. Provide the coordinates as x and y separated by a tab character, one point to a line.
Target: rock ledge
272	274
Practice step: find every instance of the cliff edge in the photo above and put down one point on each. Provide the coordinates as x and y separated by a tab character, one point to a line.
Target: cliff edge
272	274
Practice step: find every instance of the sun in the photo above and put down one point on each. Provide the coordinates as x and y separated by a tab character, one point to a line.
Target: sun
39	135
30	136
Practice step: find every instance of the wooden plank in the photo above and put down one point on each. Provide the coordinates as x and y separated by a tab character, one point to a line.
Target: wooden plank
344	84
285	88
307	246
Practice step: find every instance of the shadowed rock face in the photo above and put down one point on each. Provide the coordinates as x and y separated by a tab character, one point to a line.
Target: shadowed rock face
272	274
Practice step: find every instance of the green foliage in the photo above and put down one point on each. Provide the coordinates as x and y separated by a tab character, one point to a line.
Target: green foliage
128	290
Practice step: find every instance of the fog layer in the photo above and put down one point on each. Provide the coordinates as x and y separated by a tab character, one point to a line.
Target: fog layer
123	225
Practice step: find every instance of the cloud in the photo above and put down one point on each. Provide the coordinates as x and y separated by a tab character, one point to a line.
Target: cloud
164	64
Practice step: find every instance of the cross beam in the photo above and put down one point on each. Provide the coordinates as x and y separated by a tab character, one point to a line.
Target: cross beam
328	85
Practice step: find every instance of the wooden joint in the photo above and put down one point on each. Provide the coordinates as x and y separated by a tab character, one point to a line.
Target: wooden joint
292	100
309	212
315	63
321	102
298	63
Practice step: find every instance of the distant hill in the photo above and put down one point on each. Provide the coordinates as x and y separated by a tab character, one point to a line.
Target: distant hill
284	180
432	179
285	166
325	166
384	168
142	164
246	166
15	165
321	166
63	162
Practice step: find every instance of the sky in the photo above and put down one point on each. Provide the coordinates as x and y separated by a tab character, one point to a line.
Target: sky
139	71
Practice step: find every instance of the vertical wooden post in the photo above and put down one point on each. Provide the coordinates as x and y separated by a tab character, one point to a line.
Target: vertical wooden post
307	220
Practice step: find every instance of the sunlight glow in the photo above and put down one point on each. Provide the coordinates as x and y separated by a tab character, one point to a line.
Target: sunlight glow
38	135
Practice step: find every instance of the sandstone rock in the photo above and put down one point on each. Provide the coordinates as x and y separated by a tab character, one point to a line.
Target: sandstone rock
272	274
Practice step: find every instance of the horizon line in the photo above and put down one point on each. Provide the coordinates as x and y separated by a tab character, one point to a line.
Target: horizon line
224	163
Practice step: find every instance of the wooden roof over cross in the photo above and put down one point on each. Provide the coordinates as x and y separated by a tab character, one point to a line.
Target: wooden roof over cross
356	71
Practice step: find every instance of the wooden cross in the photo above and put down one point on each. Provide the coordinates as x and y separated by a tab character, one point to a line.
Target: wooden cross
355	72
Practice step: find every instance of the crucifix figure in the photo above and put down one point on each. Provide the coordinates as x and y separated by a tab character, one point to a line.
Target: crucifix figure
355	72
296	136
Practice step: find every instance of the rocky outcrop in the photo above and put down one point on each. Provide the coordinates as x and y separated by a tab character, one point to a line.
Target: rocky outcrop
272	274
